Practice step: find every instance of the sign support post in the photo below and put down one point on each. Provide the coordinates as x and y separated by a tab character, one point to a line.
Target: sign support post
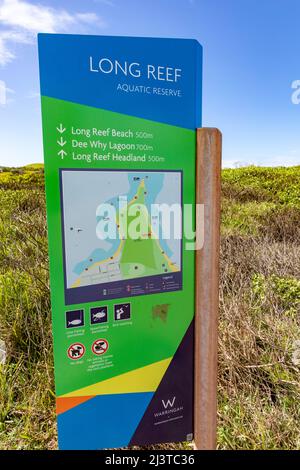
208	178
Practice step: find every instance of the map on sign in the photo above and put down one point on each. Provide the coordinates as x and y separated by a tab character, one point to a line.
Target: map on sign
102	209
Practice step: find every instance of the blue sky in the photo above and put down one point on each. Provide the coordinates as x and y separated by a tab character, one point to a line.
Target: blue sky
251	58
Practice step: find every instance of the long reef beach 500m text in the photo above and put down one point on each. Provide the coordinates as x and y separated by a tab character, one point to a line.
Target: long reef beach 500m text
143	151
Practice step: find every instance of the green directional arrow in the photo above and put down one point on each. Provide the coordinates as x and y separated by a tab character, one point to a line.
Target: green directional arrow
61	142
61	128
62	153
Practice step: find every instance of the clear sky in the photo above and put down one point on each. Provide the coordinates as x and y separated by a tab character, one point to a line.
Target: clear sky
251	58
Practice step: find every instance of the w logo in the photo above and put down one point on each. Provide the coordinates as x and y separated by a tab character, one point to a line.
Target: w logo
168	403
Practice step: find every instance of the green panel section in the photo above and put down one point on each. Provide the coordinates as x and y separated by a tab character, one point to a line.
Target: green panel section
159	321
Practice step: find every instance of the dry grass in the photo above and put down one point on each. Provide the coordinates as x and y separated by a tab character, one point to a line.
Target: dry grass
258	383
259	388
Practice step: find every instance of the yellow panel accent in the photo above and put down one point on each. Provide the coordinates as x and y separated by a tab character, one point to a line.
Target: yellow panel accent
145	379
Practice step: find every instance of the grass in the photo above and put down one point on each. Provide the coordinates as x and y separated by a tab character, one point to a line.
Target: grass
259	348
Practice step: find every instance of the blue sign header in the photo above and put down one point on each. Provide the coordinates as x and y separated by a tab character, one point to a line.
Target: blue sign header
124	75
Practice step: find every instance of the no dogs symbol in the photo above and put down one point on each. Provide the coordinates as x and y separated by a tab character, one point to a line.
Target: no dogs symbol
99	347
76	351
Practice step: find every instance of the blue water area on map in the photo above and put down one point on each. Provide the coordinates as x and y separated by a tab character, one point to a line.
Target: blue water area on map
96	256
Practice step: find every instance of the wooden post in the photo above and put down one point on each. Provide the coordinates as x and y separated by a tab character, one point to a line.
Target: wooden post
208	184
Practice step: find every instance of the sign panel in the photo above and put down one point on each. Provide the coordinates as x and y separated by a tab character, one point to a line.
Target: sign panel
119	119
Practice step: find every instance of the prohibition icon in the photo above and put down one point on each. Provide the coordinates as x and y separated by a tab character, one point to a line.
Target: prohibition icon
76	351
99	347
